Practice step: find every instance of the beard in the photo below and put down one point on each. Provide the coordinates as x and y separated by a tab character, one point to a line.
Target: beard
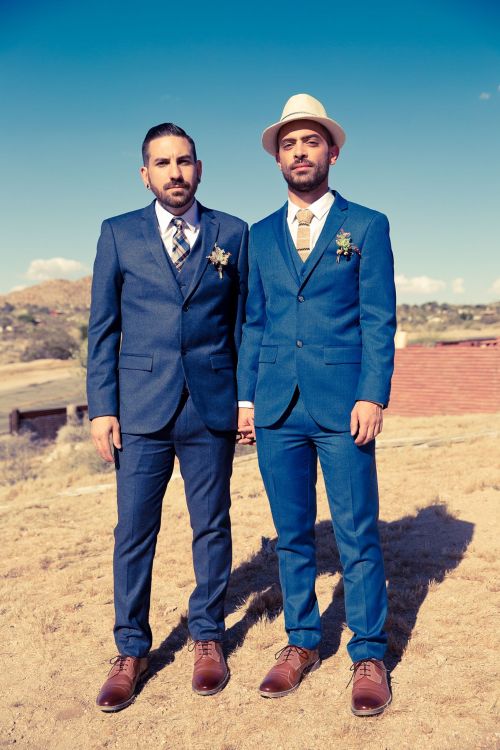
304	183
175	194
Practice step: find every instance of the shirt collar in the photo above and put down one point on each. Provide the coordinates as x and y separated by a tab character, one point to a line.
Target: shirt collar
191	217
319	208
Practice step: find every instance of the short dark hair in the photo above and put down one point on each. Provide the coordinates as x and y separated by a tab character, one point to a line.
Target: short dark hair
158	131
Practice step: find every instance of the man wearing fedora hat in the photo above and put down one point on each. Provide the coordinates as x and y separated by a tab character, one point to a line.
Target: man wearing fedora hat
316	360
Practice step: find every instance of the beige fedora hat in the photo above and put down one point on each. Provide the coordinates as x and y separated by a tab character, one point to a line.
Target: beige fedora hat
302	107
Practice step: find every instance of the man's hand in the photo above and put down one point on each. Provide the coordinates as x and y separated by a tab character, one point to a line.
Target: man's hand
366	421
105	430
246	426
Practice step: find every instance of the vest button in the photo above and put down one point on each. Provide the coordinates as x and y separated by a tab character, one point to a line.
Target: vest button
301	298
299	344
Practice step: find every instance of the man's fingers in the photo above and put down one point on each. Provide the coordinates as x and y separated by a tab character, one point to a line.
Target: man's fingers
104	448
367	431
101	442
117	436
354	422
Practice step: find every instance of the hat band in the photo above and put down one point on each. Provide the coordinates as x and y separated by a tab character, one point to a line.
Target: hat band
307	114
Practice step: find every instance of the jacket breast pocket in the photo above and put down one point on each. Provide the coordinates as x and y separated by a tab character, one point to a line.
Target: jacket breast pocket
222	361
341	355
268	354
135	362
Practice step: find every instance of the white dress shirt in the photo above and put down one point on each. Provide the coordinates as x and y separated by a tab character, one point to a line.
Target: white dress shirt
167	229
320	209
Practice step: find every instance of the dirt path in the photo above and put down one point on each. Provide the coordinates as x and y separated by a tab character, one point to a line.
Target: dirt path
44	383
440	531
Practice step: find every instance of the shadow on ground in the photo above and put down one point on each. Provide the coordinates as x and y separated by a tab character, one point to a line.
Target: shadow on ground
418	551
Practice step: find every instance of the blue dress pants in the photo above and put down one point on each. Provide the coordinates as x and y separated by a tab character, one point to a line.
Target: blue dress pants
143	468
288	454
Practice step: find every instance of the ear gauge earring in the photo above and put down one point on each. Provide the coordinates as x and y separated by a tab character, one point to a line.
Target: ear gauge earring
147	186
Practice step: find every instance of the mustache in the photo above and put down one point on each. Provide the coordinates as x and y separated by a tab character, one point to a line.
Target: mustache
302	163
177	184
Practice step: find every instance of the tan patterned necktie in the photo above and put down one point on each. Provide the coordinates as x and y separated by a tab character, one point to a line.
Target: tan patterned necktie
180	248
304	217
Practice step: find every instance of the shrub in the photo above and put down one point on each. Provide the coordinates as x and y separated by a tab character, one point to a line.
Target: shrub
18	458
52	343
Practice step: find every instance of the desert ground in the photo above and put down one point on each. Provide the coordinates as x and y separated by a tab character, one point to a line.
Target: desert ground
43	383
439	487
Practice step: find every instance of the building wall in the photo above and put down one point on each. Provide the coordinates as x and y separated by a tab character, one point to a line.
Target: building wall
445	380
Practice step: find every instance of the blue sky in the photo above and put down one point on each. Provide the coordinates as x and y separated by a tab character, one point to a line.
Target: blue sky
415	85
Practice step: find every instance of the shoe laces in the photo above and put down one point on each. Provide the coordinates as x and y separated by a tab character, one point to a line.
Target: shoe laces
286	652
364	667
204	648
119	662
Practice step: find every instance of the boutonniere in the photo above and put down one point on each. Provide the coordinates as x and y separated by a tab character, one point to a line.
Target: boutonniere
219	258
345	246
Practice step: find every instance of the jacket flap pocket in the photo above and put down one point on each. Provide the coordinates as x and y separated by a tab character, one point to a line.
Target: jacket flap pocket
339	355
136	362
268	353
222	361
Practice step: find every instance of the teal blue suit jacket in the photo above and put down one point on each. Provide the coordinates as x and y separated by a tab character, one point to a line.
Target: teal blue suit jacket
324	326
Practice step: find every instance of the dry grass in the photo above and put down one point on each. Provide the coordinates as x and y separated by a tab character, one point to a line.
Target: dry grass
439	529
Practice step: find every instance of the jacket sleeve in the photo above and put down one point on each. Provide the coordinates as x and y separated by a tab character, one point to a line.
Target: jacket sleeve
104	328
377	298
242	287
253	330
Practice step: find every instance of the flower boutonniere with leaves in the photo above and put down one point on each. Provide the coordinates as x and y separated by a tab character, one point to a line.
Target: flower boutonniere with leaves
219	258
345	247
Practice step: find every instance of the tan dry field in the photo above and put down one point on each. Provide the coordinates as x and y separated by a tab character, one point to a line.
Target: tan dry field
22	374
439	528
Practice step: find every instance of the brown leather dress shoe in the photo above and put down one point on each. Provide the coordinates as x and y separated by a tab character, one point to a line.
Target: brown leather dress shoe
119	689
210	672
370	689
293	663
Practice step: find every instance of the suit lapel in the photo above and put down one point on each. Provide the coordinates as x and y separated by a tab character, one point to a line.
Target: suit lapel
334	221
209	229
279	226
155	245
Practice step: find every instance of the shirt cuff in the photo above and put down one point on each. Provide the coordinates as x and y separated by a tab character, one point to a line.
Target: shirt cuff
245	404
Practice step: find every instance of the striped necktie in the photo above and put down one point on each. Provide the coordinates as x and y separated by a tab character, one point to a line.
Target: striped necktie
180	246
304	217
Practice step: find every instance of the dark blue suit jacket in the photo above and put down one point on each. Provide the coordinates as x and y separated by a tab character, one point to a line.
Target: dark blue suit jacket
327	327
148	337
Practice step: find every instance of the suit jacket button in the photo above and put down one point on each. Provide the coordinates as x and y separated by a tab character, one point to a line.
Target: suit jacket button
301	298
183	352
299	344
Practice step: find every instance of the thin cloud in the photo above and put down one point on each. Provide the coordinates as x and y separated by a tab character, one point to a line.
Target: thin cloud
485	95
495	287
43	269
457	286
418	284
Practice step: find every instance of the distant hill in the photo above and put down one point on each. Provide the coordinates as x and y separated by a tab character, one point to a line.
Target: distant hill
40	320
55	294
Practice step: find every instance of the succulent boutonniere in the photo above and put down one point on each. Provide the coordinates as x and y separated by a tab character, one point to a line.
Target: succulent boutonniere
345	246
219	258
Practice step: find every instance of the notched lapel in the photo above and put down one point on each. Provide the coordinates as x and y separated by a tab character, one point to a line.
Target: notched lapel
335	220
155	245
279	226
209	228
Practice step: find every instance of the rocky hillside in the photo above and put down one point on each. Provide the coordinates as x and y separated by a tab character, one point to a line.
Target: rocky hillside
56	294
